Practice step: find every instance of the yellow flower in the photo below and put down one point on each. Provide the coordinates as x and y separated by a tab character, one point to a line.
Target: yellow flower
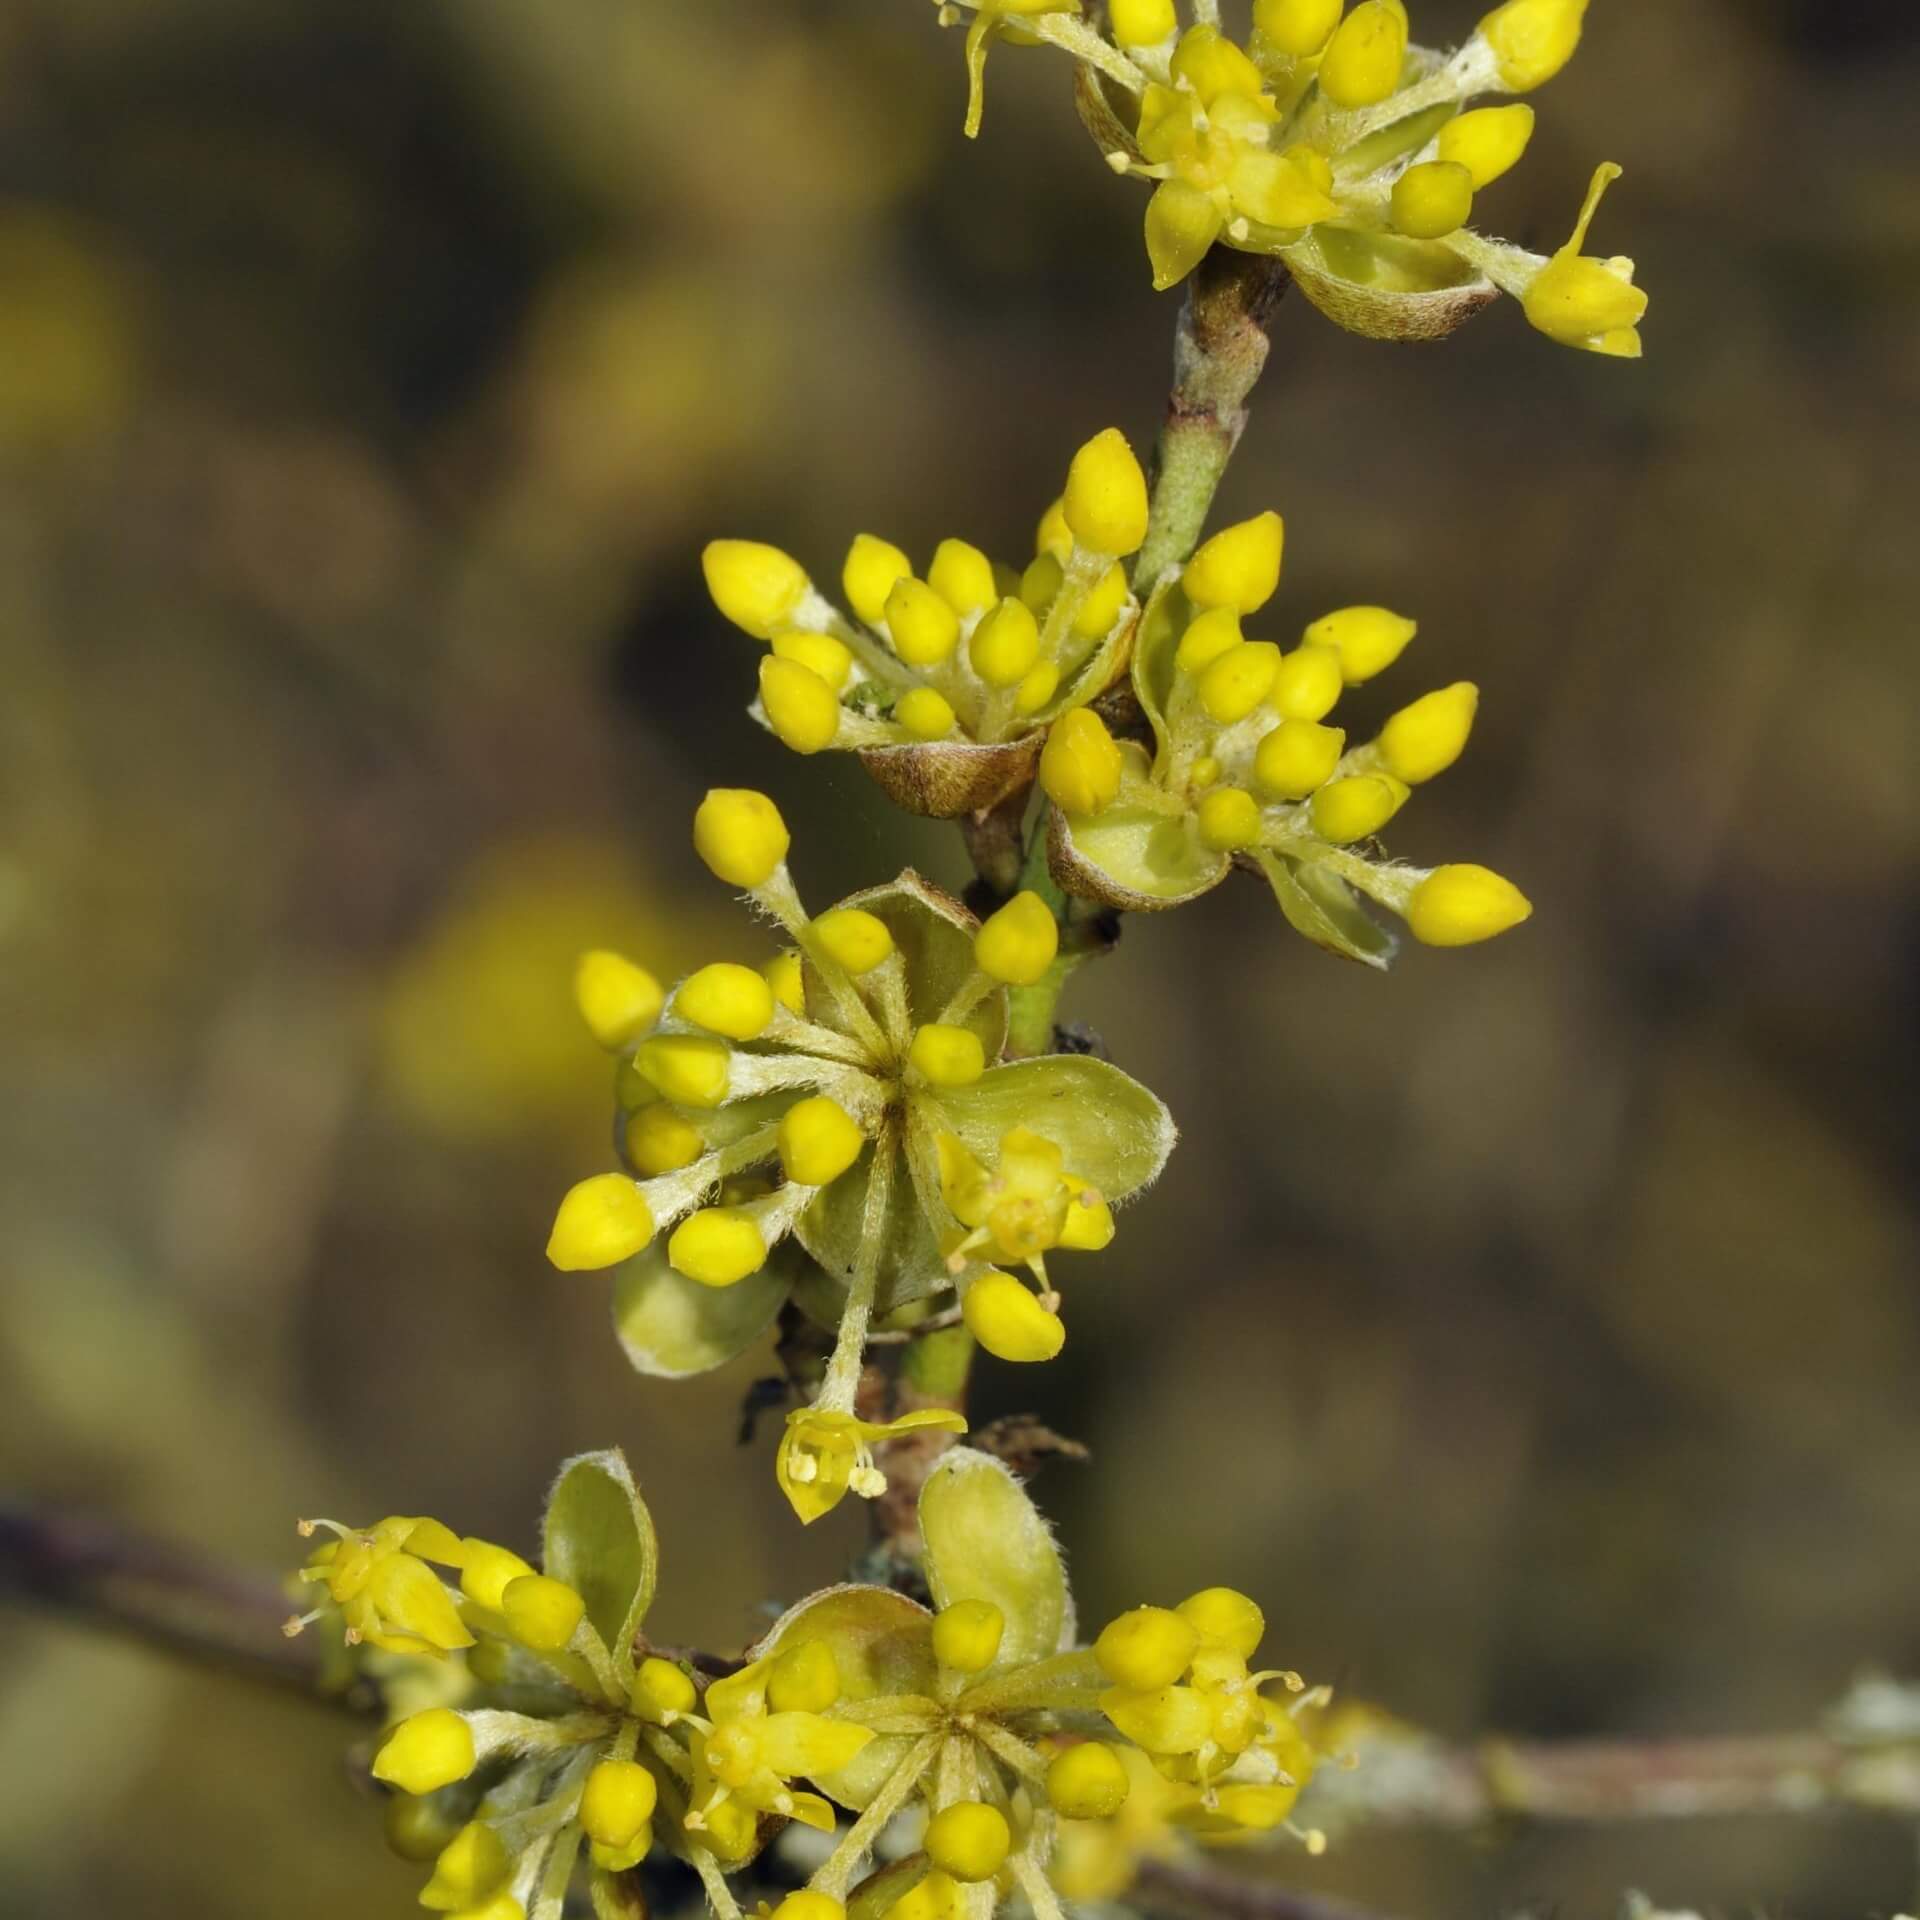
387	1594
1246	769
1334	145
945	684
825	1454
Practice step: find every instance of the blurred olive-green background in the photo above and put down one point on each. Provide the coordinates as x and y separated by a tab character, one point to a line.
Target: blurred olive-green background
1534	1329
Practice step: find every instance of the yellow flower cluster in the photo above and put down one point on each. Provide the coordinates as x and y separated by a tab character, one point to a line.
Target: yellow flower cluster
1335	144
943	682
847	1095
565	1735
1245	766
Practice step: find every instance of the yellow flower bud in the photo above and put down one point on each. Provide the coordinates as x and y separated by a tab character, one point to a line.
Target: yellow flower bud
660	1689
831	659
1162	1719
1038	686
800	707
805	1679
1532	39
487	1571
1226	1616
966	1635
872	566
602	1221
1236	683
805	1904
740	835
923	627
818	1140
1040	584
660	1141
1488	141
1005	644
618	1801
1427	737
417	1829
1009	1322
1458	905
502	1906
1087	1782
688	1068
1181	224
1359	805
969	1840
1080	764
1106	496
1142	23
1432	200
786	974
466	1870
947	1056
1206	639
857	939
1239	567
1586	303
1308	684
618	1000
1146	1648
1363	60
1212	65
1053	535
541	1613
718	1246
757	587
1368	640
962	576
925	714
1101	608
1228	819
1296	757
1297	27
726	999
1017	945
426	1751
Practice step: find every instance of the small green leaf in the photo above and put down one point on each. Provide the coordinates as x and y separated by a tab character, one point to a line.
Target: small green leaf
1112	1131
599	1540
1168	614
986	1541
1322	906
673	1327
1134	857
882	1644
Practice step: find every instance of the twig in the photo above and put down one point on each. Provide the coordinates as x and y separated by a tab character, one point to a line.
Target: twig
1218	354
155	1591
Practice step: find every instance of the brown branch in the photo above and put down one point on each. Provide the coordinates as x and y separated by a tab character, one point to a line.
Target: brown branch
154	1591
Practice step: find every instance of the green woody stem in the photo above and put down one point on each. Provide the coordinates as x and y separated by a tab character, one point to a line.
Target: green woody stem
1218	353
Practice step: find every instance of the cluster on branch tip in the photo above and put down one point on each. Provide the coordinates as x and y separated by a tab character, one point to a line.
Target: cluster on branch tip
945	684
961	1757
1242	766
839	1129
1331	142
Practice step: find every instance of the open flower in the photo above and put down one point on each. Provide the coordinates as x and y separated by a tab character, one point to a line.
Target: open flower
1246	768
945	684
985	1714
556	1732
835	1129
1331	142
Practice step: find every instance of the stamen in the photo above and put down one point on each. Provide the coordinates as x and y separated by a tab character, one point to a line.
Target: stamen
296	1623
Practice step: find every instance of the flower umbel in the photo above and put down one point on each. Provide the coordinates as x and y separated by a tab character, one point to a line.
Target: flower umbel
1331	142
1245	768
831	1129
944	684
